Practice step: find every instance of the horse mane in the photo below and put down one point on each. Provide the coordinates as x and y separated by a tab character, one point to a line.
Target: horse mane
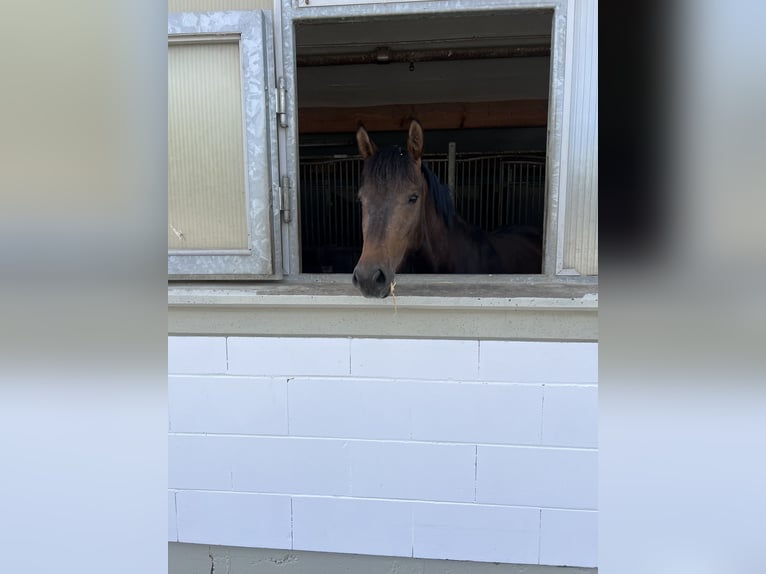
440	195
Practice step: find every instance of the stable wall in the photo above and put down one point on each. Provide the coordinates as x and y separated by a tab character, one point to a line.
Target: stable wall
460	449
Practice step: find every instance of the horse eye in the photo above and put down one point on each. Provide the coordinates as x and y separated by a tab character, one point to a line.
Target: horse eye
413	198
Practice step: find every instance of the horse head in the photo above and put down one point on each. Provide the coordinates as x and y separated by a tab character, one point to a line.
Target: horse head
392	194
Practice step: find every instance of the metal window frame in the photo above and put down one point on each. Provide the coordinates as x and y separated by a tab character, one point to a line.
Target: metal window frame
253	30
293	11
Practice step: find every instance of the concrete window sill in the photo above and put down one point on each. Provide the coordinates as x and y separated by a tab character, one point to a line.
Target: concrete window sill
436	307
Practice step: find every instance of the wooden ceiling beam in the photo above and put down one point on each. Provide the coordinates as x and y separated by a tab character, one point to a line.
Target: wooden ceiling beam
435	116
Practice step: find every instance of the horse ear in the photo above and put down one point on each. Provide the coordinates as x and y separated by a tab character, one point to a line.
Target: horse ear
415	141
366	147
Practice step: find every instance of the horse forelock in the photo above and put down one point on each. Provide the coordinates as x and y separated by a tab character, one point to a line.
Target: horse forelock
440	195
387	165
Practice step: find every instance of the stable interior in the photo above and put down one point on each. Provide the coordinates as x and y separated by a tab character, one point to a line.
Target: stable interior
477	82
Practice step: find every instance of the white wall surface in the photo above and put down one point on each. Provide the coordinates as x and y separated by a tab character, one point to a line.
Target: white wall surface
456	449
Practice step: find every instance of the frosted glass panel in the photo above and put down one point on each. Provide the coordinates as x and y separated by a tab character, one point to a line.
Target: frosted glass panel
581	223
212	5
207	206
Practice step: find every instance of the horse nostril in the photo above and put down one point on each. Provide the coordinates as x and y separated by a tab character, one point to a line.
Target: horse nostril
354	279
379	277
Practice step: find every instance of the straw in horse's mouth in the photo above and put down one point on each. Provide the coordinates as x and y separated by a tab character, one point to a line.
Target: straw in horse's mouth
392	286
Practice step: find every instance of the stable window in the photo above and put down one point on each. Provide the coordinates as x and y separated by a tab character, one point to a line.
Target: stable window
263	167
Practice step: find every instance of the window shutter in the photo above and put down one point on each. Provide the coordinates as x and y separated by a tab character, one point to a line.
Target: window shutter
223	204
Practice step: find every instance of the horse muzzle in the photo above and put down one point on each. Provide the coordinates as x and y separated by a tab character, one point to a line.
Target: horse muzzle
372	280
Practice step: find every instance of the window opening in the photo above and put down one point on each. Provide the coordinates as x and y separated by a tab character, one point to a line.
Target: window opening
477	82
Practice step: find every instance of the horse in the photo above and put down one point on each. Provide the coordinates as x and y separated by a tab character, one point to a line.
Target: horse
409	223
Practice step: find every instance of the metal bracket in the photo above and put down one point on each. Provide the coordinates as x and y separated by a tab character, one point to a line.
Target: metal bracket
285	193
281	103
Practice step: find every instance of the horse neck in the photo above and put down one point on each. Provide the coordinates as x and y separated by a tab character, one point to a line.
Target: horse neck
435	254
456	248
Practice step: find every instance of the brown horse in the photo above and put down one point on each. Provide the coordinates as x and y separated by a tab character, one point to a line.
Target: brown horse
409	224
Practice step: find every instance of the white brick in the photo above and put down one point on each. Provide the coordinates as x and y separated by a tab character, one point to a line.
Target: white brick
538	362
288	356
485	413
415	359
172	527
199	462
421	410
478	533
234	519
381	527
196	355
413	470
570	416
527	476
569	538
292	466
228	405
349	408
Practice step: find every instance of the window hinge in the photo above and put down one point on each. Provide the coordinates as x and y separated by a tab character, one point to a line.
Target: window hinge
285	208
281	103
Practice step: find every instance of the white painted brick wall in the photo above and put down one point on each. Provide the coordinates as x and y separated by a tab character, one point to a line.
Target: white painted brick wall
199	462
350	408
418	471
538	362
358	526
415	359
568	537
235	405
570	416
421	410
172	526
291	466
477	413
234	519
464	450
476	532
196	355
543	477
288	356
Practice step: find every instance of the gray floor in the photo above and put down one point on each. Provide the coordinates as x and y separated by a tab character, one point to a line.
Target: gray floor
204	559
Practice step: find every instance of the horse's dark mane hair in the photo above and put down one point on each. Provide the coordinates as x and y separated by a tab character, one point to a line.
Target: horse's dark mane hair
440	195
394	162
